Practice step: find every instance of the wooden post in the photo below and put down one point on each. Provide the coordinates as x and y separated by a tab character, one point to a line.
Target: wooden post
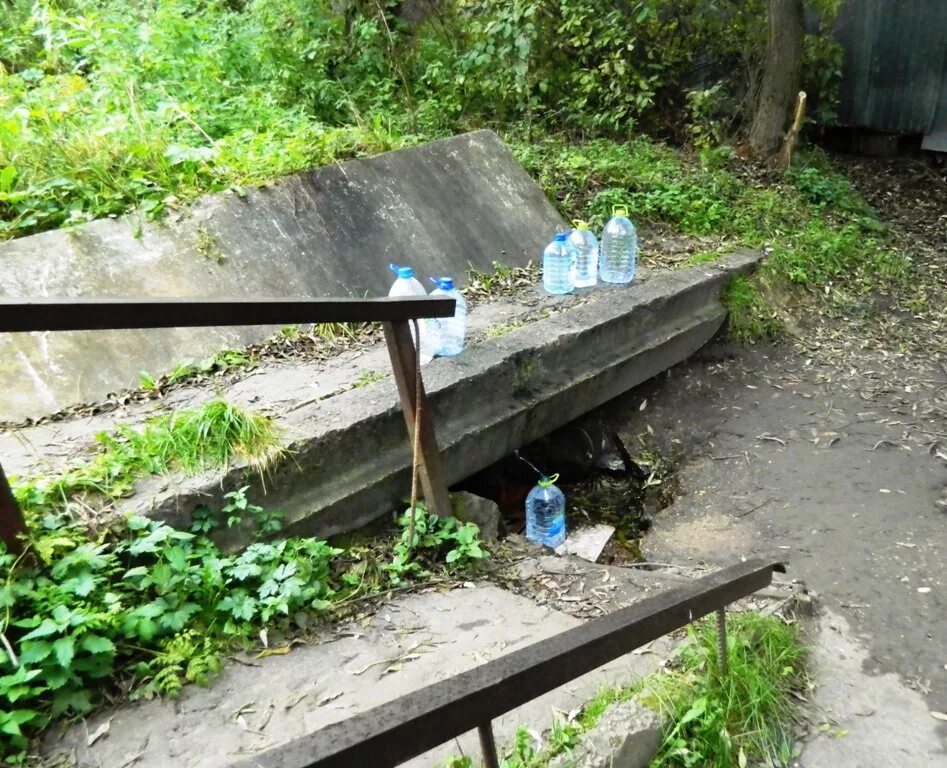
403	362
12	524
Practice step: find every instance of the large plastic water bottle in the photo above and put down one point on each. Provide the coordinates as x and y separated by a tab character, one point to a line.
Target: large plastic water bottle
408	285
585	246
452	329
558	265
546	513
619	249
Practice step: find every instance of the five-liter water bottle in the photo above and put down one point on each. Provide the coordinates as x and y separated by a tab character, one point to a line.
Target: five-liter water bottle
619	249
585	246
546	513
452	329
408	285
558	265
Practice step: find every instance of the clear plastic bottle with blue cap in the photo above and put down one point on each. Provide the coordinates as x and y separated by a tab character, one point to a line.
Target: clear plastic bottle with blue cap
546	513
407	284
585	246
451	329
559	265
619	248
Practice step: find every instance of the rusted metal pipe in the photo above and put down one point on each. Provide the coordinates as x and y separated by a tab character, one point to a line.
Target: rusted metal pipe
722	665
488	745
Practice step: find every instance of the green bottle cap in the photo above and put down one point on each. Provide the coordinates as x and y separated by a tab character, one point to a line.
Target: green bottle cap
545	482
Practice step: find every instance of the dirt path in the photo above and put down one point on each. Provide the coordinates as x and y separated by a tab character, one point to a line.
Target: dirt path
782	454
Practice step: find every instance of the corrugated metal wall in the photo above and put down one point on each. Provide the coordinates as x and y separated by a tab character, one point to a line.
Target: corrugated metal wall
894	76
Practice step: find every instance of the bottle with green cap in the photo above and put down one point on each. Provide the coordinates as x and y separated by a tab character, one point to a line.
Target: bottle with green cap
585	247
619	248
546	513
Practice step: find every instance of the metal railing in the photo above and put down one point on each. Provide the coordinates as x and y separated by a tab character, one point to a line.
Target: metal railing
392	733
25	315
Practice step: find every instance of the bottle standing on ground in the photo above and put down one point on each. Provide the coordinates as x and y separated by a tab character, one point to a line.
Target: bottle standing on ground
619	249
546	513
452	329
408	285
585	246
559	265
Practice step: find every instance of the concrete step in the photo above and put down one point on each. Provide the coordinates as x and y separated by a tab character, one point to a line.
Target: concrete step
408	643
350	456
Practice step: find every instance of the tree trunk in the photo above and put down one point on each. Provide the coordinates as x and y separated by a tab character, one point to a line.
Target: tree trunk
782	71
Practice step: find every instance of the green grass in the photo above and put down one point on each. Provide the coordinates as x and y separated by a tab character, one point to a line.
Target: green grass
750	316
743	719
189	441
816	229
368	377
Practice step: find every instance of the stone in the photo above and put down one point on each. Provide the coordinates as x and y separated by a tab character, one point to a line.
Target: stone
626	736
484	513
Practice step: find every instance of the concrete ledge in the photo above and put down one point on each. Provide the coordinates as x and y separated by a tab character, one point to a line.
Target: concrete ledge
441	207
352	461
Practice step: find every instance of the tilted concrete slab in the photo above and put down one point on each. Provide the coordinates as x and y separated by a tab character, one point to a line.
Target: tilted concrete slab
331	231
351	459
412	642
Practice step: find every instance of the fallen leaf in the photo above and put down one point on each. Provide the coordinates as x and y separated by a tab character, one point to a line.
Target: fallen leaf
295	700
99	732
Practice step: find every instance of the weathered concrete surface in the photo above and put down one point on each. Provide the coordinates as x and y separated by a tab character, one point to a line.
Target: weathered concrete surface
484	513
864	720
626	736
499	395
326	232
411	642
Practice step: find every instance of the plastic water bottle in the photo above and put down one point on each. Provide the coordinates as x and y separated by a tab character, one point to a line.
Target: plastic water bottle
619	249
559	265
452	329
408	285
546	513
585	246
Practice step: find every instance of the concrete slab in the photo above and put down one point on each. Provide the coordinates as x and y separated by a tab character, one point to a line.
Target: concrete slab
499	395
864	719
409	643
331	231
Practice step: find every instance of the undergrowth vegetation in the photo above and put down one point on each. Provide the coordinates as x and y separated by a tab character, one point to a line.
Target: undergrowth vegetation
743	718
142	608
106	108
188	441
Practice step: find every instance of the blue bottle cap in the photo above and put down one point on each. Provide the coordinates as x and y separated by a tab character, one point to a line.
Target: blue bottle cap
561	237
402	272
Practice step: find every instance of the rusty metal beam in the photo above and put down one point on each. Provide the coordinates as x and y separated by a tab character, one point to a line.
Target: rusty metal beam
403	363
21	315
12	524
392	733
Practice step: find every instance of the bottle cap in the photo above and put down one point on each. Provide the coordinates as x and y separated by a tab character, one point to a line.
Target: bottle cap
546	482
560	237
581	225
444	283
619	210
403	272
